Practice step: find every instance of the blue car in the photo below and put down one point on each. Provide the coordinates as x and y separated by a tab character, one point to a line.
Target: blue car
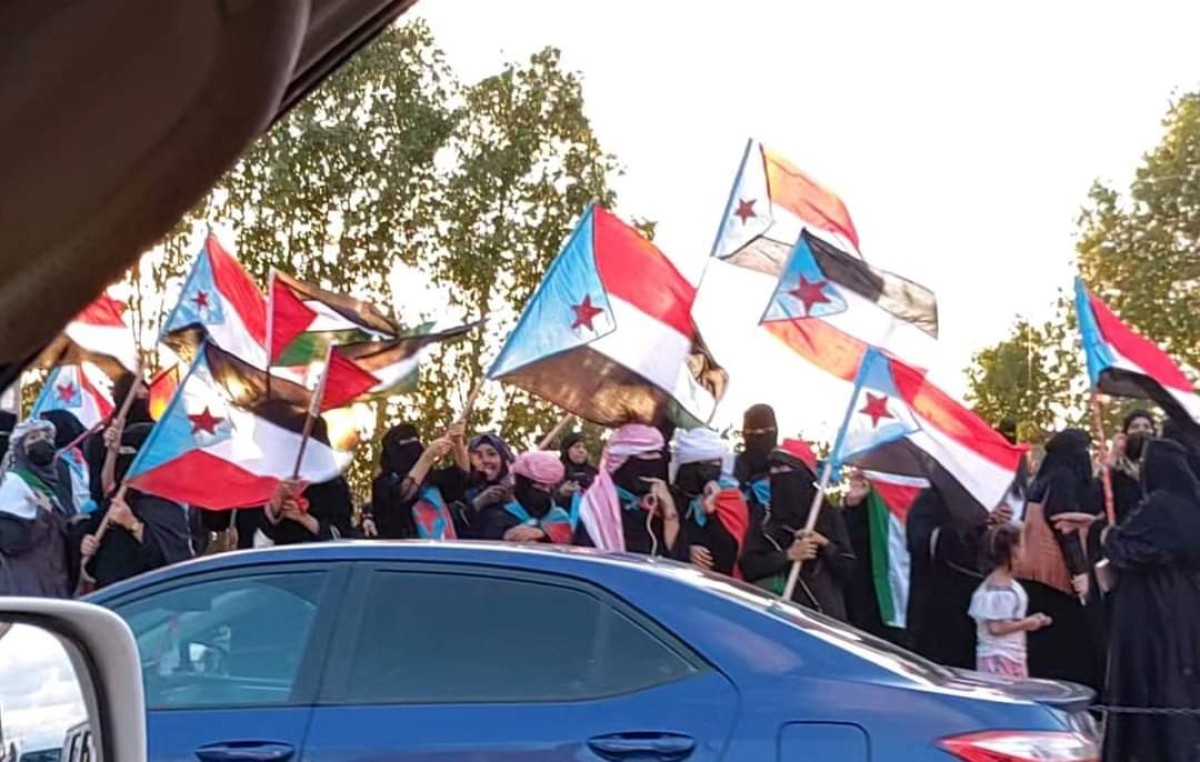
462	652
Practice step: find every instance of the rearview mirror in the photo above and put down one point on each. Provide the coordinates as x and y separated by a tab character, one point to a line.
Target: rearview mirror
70	684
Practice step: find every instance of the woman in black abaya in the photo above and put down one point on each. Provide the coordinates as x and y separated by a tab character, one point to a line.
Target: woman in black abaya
1154	648
1069	649
945	572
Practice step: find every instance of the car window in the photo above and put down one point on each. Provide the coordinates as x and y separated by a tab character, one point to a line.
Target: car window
225	643
438	638
864	645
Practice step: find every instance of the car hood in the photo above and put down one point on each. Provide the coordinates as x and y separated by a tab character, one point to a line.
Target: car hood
117	116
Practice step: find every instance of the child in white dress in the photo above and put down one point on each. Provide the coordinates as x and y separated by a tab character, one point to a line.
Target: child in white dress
999	608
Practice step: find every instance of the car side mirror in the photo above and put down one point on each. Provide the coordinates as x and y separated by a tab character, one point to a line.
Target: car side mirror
70	680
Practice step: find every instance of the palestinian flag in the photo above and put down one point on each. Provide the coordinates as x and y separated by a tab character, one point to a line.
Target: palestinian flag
887	510
373	369
608	335
82	390
1125	364
306	320
99	335
221	304
221	443
900	423
830	307
771	202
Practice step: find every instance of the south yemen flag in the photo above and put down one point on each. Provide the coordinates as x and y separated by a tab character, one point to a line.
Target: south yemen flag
608	335
221	304
900	423
1125	364
830	306
221	443
888	502
99	335
82	390
306	320
770	203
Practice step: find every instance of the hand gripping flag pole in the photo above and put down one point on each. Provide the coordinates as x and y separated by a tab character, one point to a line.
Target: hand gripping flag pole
833	461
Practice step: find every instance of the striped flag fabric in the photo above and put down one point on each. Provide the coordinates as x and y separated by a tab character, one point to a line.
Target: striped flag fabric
371	369
81	389
99	335
830	307
1123	363
900	423
608	335
888	502
770	203
222	443
306	320
219	303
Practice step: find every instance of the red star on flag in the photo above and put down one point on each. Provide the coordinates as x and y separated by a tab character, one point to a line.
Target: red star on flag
205	421
66	391
745	210
585	313
876	407
201	300
811	293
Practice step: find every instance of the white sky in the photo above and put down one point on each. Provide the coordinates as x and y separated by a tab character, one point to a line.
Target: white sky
963	136
39	693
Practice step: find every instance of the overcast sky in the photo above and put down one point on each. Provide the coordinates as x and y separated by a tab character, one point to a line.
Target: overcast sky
962	136
39	693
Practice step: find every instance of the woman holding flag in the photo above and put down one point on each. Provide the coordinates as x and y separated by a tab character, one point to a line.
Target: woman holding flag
776	539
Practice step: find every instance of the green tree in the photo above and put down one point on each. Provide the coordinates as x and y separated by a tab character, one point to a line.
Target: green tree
393	162
527	164
1140	252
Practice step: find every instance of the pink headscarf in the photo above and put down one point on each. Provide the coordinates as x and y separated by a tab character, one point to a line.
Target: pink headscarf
540	466
599	508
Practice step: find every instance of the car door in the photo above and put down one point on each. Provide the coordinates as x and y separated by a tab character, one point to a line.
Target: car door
479	664
230	660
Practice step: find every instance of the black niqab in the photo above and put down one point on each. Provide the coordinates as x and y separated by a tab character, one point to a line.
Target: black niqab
760	437
1154	649
631	476
401	450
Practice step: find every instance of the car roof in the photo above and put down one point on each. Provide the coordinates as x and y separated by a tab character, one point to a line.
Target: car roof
116	118
569	560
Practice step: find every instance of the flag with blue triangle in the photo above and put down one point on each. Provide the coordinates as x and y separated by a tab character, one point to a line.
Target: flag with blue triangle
899	423
608	335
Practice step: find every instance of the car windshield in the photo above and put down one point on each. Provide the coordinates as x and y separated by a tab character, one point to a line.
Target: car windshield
875	650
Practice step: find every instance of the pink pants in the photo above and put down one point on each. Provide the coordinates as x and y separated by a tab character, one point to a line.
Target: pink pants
1001	665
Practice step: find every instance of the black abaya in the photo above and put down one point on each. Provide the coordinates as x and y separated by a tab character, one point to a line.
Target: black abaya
945	573
1155	606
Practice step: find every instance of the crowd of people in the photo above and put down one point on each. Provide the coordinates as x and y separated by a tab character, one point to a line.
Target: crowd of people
1065	593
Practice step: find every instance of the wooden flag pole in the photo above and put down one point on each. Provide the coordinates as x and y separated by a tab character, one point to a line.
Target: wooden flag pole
469	405
556	431
1105	472
314	412
813	513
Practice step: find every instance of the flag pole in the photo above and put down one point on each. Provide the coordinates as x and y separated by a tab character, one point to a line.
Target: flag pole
270	327
119	417
827	473
314	412
1110	510
556	431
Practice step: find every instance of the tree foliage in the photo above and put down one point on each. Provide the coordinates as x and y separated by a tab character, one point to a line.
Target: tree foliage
1140	253
394	164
